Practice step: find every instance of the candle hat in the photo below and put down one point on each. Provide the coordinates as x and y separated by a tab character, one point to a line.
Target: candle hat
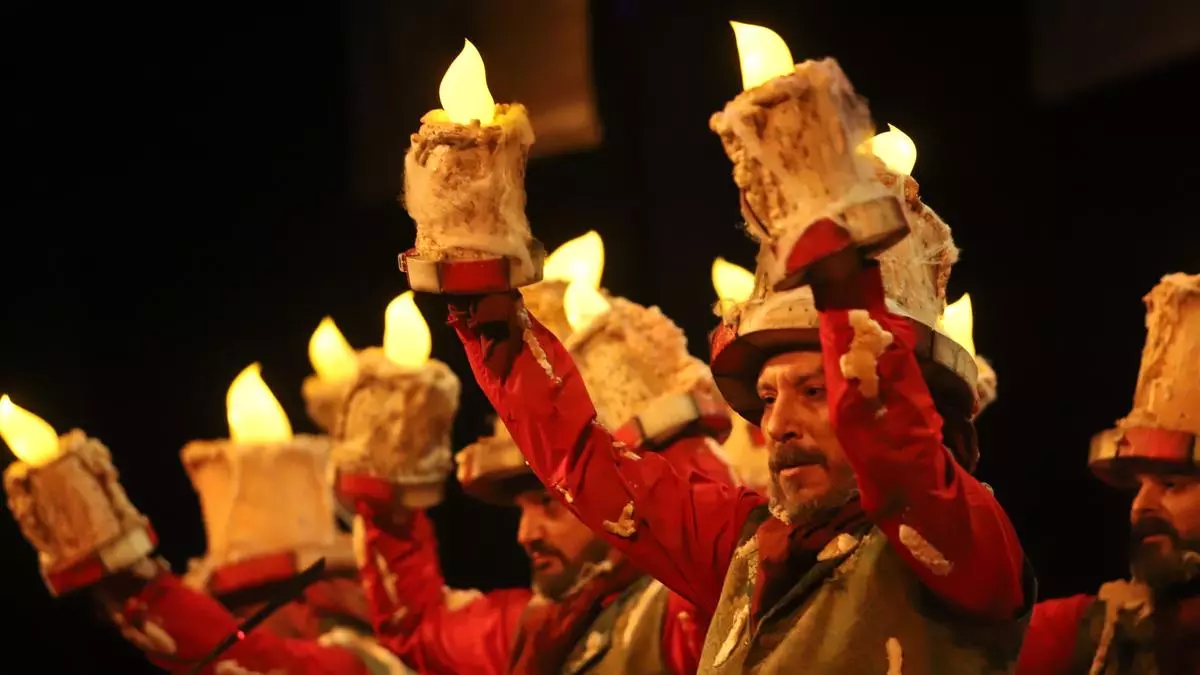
268	511
645	385
915	272
493	470
1162	432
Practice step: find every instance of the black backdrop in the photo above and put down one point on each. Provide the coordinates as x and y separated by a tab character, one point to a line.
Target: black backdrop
179	206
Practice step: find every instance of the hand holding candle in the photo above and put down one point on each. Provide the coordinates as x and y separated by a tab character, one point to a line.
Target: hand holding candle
793	137
464	186
65	496
395	427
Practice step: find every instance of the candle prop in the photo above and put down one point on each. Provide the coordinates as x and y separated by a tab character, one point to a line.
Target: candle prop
242	481
335	364
747	454
395	426
464	186
1168	391
630	356
793	136
734	285
65	496
958	322
580	259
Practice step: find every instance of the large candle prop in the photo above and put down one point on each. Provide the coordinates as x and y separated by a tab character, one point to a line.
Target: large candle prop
580	259
395	425
464	186
1168	391
793	136
335	364
243	480
65	496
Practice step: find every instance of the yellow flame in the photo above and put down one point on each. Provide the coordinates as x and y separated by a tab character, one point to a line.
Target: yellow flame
582	304
958	322
406	338
464	92
762	54
733	283
332	358
895	149
254	414
29	437
581	260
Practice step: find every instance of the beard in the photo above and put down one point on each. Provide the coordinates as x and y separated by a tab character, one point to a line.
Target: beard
555	585
1164	569
794	509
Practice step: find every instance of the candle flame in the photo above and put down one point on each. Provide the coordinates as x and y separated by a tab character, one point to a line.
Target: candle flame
958	322
254	414
733	283
579	260
332	358
895	149
464	92
763	55
406	338
29	437
582	304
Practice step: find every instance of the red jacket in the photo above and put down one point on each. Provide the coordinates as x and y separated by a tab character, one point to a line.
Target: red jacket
437	630
194	623
688	526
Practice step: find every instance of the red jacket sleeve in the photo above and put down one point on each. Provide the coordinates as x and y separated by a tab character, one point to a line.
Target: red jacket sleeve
1050	641
942	521
431	628
686	526
683	636
177	626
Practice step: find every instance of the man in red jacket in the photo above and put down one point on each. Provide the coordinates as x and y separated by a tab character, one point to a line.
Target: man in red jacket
1149	624
879	547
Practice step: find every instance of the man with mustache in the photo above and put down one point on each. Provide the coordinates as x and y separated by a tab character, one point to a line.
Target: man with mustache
1151	623
876	549
591	610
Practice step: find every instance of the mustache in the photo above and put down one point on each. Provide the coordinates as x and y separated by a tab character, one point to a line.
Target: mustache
792	455
539	547
1149	527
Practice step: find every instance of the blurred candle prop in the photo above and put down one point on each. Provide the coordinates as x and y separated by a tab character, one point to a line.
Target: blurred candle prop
243	480
793	136
958	322
464	186
734	285
335	367
65	496
580	259
895	149
395	425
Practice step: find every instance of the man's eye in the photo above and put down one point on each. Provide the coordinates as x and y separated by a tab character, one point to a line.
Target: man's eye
814	391
767	399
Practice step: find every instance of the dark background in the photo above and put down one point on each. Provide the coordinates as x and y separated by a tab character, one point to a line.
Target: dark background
191	190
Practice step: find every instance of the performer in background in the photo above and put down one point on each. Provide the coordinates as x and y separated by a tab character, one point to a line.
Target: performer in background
1149	624
590	609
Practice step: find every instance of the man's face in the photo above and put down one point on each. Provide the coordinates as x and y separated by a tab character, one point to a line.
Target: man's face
809	471
558	544
1165	536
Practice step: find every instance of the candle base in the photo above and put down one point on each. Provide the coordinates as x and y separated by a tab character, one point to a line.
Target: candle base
395	427
323	401
75	513
1168	392
467	272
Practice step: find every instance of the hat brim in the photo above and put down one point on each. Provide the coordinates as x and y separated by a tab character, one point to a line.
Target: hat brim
500	488
949	370
1117	456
